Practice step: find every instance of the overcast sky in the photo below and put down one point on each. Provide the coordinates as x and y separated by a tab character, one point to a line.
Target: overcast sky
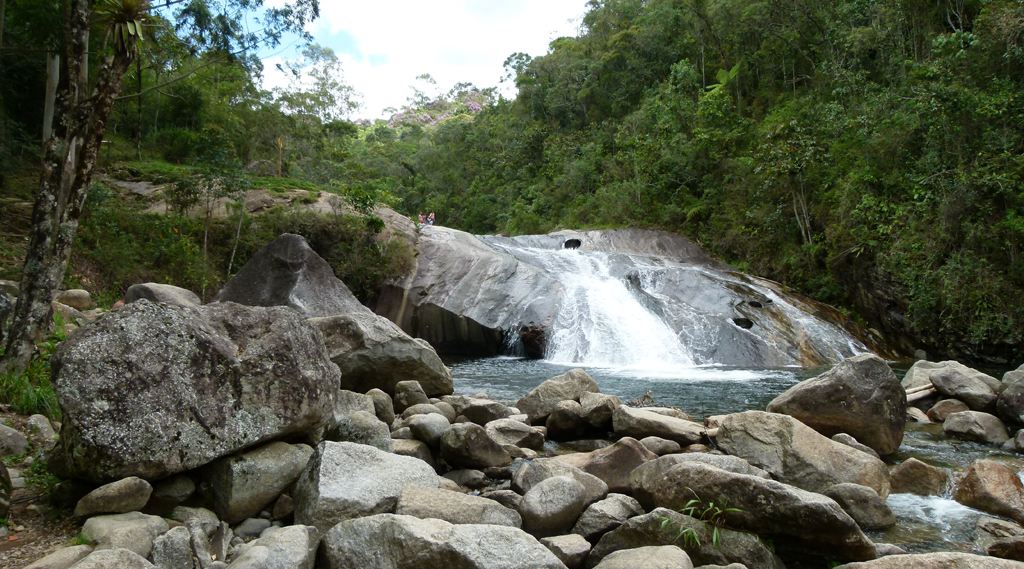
385	44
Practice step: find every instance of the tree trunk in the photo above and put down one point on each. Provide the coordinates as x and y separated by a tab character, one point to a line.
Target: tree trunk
67	173
3	9
52	78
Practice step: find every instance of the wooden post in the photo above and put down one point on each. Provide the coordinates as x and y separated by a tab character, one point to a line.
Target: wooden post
280	154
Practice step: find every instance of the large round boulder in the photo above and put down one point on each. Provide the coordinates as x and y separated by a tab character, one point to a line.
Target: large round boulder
348	480
570	386
860	396
941	560
151	390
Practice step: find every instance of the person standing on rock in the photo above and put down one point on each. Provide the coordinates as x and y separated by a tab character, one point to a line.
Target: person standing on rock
430	219
423	218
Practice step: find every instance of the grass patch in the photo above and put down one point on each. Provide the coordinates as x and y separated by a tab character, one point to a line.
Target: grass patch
31	392
38	474
280	186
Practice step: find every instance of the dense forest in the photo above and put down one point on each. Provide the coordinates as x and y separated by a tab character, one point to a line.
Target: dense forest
866	153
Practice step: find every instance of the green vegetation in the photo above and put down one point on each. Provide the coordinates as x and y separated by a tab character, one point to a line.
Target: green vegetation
709	513
868	154
31	392
865	153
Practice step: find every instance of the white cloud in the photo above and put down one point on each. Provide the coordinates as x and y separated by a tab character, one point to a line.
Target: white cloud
385	44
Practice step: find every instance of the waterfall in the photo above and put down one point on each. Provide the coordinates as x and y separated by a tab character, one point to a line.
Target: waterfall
651	312
602	323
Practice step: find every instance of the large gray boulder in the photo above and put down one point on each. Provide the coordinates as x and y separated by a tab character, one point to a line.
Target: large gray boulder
512	432
860	396
798	455
570	386
553	506
466	445
538	470
156	292
646	475
243	485
291	547
133	531
348	480
605	515
359	427
151	390
976	426
1010	404
795	519
371	351
455	507
388	541
942	560
640	423
664	527
953	379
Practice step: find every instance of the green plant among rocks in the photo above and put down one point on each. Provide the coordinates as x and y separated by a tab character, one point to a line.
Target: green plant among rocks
709	513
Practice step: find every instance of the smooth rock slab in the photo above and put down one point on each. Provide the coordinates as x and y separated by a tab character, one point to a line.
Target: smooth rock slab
795	454
125	495
860	396
649	557
114	559
389	541
935	561
646	475
612	464
152	390
348	480
244	485
455	507
864	506
133	531
62	558
165	293
292	547
641	423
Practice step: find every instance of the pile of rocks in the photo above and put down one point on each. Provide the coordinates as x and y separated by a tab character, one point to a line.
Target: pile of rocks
227	435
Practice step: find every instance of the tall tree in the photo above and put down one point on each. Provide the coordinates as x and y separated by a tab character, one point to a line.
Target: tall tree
71	151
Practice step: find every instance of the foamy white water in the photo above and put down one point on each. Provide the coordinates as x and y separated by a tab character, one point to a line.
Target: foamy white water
602	323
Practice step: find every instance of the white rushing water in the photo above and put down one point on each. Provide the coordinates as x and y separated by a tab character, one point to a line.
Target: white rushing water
602	323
